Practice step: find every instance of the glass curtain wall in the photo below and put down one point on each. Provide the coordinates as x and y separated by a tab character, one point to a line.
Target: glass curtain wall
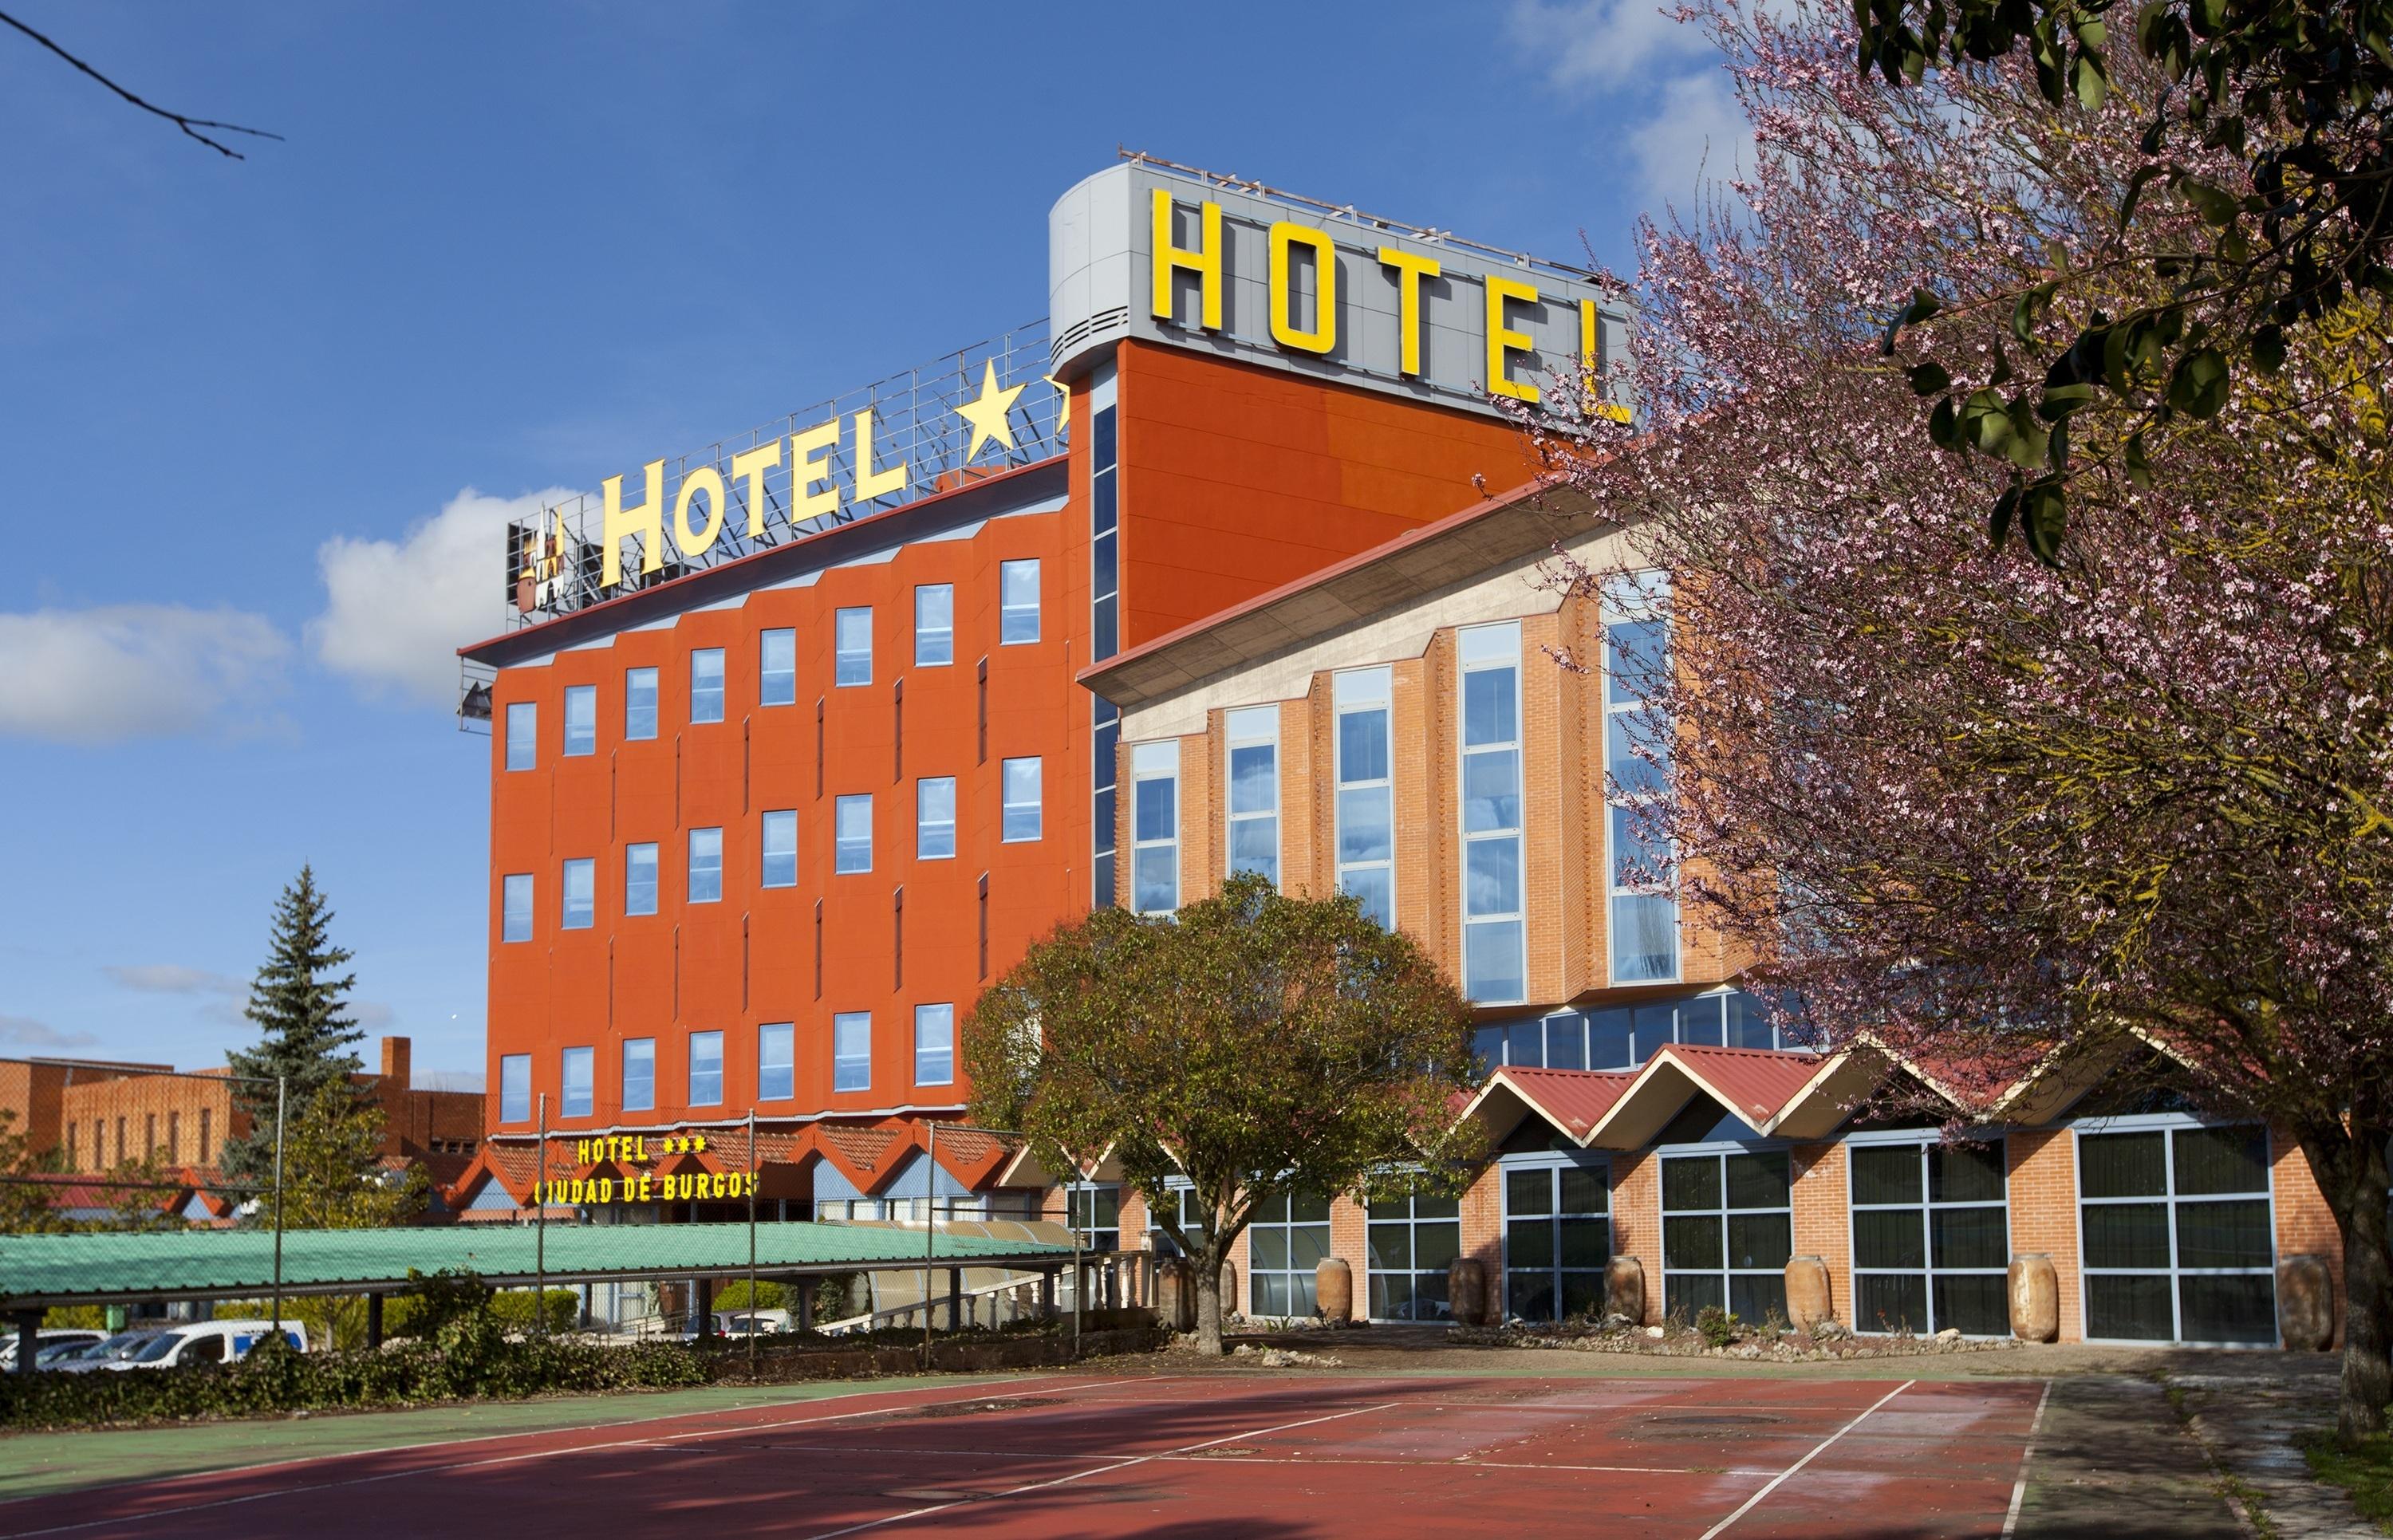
1494	967
1365	793
1644	907
1728	1228
1557	1238
1289	1234
2179	1236
1932	1237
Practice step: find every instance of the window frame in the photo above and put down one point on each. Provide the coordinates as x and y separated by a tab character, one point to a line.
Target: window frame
843	843
786	1034
690	1076
584	1059
842	1061
515	1080
1010	808
630	911
691	868
1412	1223
930	641
1467	840
529	739
784	819
1631	599
1385	784
586	868
1551	1164
585	729
927	828
1142	777
716	692
1719	1151
1240	731
510	934
1294	1278
769	670
1922	1142
2169	1125
920	1020
844	658
1007	611
638	682
623	1076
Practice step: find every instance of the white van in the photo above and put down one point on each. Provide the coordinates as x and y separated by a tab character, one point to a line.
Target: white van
207	1342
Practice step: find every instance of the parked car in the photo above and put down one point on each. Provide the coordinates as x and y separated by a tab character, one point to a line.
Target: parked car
51	1341
106	1352
741	1322
206	1343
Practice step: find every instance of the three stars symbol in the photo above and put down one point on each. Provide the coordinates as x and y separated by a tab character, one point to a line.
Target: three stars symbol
990	413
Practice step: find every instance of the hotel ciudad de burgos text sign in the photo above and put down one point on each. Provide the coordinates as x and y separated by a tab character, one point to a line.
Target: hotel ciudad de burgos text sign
642	1186
1178	258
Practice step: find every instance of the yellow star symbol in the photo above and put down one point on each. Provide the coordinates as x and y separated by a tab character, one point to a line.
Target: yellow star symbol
987	412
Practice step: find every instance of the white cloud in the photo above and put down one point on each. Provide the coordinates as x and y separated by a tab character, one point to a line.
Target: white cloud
120	671
25	1032
372	1015
1698	136
396	612
167	978
1601	42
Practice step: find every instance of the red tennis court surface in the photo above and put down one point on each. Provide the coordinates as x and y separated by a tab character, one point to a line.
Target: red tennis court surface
1055	1457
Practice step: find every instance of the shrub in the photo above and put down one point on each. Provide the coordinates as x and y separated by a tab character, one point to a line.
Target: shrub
1718	1327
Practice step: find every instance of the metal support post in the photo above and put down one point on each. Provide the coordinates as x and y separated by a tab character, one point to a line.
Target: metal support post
955	1299
930	1227
281	1089
752	1240
540	1228
806	1301
1047	1294
28	1339
373	1320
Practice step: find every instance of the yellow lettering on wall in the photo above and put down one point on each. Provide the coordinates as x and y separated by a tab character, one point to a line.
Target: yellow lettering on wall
749	466
642	1141
646	521
809	469
872	483
606	1189
1503	341
646	1194
1284	237
1593	361
1410	268
1205	261
696	543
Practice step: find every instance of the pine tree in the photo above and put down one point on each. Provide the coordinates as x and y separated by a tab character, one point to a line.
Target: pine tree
301	1011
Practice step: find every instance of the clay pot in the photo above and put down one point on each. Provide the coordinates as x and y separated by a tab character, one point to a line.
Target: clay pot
1807	1301
1175	1295
1333	1289
1466	1291
1231	1303
2035	1299
2306	1303
1623	1287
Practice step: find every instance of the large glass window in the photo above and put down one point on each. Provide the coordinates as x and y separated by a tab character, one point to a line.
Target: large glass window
2180	1239
705	1069
1104	745
706	866
1025	800
1728	1228
1494	968
1557	1237
852	643
581	720
523	734
778	857
1645	906
1409	1243
776	1062
1367	846
1105	604
640	879
1155	827
851	1050
1179	1204
1289	1234
515	1089
1250	737
580	886
1017	598
577	1077
706	685
777	667
935	818
934	1045
852	849
639	704
1094	1211
639	1075
934	625
515	907
1932	1237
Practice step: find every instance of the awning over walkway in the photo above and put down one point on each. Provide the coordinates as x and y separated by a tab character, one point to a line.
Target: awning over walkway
216	1264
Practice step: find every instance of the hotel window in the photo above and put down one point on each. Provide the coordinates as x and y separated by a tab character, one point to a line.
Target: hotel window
1549	1042
705	1069
514	1088
1251	742
1557	1237
851	1050
1104	605
779	857
639	1075
934	1045
935	818
1636	736
2180	1239
514	906
1289	1234
706	866
581	896
934	625
579	1079
1017	600
1366	795
1494	969
1155	827
1094	1211
639	704
1932	1237
1727	1232
581	720
776	1062
776	668
853	834
1409	1243
852	643
523	734
706	685
1024	802
640	879
1104	748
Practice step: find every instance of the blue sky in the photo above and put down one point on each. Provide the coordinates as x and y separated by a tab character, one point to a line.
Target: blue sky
260	419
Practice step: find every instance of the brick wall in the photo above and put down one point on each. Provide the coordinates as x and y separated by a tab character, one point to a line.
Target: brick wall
2042	1166
1637	1221
2305	1224
1822	1221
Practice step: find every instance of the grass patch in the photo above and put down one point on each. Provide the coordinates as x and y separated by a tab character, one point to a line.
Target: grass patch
2365	1471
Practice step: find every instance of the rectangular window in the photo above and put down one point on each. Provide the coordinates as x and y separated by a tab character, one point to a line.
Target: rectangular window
1494	968
706	866
851	642
1155	827
1105	522
776	668
852	851
639	704
523	734
515	1089
935	818
706	685
1251	738
1104	744
1017	601
1409	1242
1728	1228
934	625
578	1077
1644	905
515	907
934	1045
2179	1235
1094	1212
776	1062
1025	803
1366	793
706	1069
779	859
1557	1237
1932	1237
639	1075
581	896
640	879
581	720
1289	1235
851	1050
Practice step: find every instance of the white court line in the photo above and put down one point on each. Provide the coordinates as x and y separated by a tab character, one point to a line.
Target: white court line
528	1455
1817	1450
2018	1488
1099	1470
914	1451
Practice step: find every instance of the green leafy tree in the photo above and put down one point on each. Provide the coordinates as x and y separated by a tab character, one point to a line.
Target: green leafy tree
300	1004
1254	1044
26	1206
333	1179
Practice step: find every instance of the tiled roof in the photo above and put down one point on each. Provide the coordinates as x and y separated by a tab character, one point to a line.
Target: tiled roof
1572	1099
1754	1083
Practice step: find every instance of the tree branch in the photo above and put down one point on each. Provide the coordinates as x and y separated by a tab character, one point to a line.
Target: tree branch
188	125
